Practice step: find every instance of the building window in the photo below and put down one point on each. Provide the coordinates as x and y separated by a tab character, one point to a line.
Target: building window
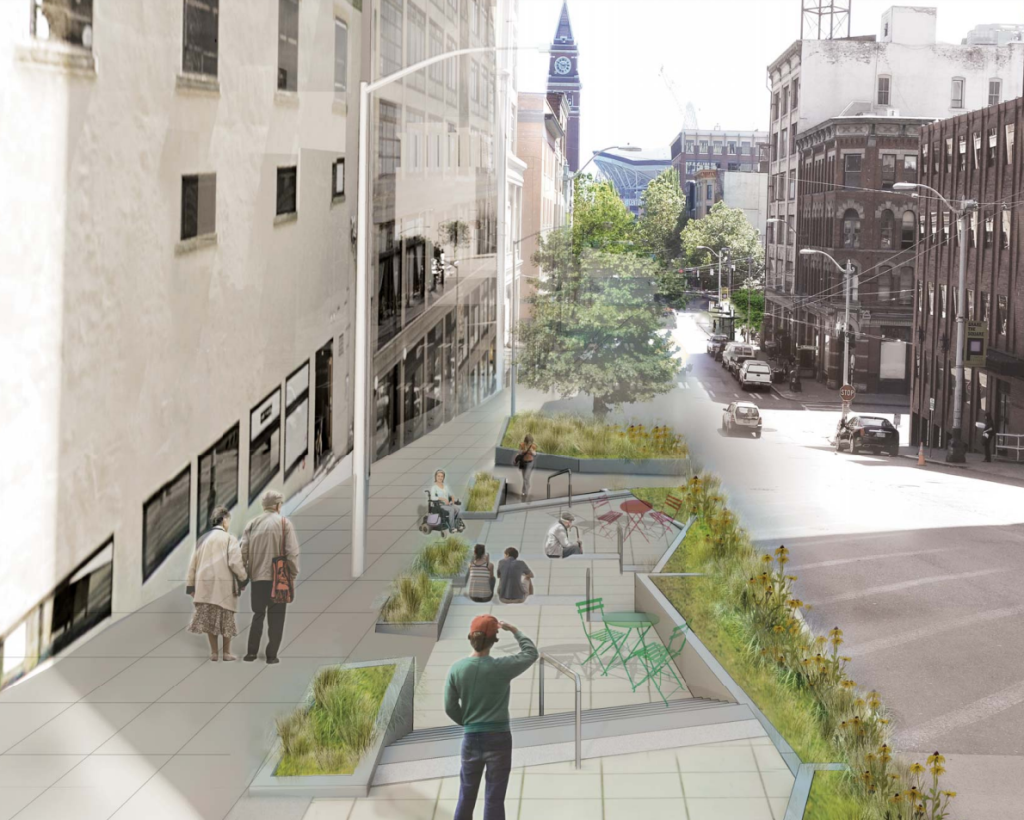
986	306
883	90
995	88
64	21
795	96
1004	233
956	95
198	205
973	230
949	155
920	297
962	156
884	286
907	226
704	146
390	36
942	300
970	305
296	419
199	40
910	168
775	105
888	170
340	57
785	100
792	183
452	69
287	186
218	479
931	298
906	286
416	44
851	170
1010	135
1002	317
990	231
436	71
165	521
388	144
288	45
264	443
993	146
338	179
851	229
887	229
977	150
783	143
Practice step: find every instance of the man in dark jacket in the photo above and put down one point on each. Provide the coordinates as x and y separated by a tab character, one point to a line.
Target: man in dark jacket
988	436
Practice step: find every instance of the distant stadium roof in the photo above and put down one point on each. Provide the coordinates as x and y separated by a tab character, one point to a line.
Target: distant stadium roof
631	173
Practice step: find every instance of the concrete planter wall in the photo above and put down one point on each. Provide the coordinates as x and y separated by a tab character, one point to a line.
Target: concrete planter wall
394	721
421	629
503	457
492	514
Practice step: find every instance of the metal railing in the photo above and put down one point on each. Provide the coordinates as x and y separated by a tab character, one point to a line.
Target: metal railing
565	670
1010	441
556	475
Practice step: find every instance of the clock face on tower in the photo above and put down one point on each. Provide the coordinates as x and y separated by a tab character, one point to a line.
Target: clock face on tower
563	65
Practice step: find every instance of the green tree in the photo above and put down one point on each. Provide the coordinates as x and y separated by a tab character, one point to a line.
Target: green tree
600	220
748	307
595	327
663	204
723	227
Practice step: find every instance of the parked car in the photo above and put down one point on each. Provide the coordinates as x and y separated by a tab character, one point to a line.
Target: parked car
859	434
734	357
741	417
755	375
716	343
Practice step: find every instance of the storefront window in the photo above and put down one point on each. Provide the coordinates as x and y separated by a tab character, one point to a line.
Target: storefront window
264	443
165	521
218	478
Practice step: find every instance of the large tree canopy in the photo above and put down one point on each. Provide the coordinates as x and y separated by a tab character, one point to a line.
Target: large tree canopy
600	220
723	227
659	227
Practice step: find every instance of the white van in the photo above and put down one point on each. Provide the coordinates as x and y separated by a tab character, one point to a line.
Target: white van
734	356
755	374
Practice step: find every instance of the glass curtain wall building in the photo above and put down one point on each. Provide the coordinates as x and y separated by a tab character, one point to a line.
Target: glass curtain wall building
433	241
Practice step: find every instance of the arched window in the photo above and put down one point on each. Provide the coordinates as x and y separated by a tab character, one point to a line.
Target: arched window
884	287
906	286
888	230
851	229
908	229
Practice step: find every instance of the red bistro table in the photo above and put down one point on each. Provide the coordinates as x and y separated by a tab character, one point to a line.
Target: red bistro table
635	510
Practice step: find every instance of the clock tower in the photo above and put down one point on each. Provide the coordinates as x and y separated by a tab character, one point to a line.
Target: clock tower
564	77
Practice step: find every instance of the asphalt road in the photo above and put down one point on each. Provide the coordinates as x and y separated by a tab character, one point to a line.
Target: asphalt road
920	567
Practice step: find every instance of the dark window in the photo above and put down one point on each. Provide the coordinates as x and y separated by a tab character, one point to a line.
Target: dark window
340	57
389	292
910	168
199	52
796	95
907	230
218	478
1004	234
977	149
906	294
64	21
338	178
943	291
198	205
883	90
956	96
296	419
165	521
388	146
993	146
851	229
884	286
1002	317
286	190
994	91
887	230
264	443
851	170
288	45
413	392
416	277
986	306
990	231
888	170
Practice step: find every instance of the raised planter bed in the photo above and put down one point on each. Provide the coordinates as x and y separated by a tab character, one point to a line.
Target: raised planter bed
421	629
394	721
492	514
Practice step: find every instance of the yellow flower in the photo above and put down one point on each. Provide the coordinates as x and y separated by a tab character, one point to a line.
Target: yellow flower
917	768
938	770
936	759
950	794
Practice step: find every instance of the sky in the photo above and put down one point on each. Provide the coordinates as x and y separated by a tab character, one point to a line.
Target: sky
716	51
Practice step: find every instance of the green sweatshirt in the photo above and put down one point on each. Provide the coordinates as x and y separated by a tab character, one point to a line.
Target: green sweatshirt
477	690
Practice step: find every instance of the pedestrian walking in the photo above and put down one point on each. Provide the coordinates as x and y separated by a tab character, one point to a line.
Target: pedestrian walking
515	579
267	537
216	578
481	576
988	436
476	696
525	460
558	544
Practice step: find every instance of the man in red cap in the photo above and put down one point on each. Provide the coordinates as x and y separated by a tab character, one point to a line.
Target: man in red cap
476	697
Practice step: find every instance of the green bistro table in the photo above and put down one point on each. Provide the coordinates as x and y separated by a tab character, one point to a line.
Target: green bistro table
641	623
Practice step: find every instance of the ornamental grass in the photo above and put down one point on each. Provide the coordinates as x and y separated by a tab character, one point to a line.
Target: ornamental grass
414	598
578	437
744	610
483	493
443	558
330	733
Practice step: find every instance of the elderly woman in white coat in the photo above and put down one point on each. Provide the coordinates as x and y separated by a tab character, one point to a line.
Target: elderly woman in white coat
216	577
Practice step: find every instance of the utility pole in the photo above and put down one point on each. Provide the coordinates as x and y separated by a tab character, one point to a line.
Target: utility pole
957	453
846	325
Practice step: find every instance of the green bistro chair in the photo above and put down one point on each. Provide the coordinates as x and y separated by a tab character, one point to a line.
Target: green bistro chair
600	640
659	660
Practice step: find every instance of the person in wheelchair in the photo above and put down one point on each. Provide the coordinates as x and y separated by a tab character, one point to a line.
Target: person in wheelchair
442	502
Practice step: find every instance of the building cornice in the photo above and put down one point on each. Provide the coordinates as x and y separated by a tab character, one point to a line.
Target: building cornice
861	127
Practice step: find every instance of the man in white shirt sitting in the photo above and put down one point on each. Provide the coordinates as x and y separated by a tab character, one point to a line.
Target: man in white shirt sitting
558	544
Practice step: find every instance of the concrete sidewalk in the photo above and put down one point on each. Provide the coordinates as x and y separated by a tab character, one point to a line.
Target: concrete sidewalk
995	470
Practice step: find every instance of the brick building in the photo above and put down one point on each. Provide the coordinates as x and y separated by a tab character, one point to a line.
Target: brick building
973	156
848	166
695	150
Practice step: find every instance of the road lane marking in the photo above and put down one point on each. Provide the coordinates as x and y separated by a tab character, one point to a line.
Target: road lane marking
925	734
840	561
917	582
891	642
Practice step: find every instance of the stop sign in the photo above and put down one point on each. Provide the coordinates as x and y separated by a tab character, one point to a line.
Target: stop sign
846	392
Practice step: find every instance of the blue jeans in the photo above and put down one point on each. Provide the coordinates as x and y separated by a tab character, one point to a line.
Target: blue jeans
492	750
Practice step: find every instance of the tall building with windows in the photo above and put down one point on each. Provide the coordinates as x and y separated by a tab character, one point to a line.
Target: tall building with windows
973	156
177	276
434	220
564	78
714	149
902	72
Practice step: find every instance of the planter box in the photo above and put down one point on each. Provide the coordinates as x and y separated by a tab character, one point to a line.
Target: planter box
421	629
394	721
492	514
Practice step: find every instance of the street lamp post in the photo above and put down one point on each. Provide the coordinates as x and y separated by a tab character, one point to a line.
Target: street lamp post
724	252
847	272
956	452
361	375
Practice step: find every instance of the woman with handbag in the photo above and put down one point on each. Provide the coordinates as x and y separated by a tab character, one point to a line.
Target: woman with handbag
216	578
524	460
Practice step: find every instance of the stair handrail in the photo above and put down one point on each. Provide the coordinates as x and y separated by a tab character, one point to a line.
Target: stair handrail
556	475
565	670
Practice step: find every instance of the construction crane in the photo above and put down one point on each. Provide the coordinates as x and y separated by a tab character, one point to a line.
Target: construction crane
688	111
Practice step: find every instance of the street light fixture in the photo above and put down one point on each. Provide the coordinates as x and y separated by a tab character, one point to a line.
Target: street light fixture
361	375
956	452
847	279
718	255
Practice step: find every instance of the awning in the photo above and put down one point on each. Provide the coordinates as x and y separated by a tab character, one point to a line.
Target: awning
1000	363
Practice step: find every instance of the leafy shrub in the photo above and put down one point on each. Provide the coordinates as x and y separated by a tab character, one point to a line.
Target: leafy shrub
413	598
577	437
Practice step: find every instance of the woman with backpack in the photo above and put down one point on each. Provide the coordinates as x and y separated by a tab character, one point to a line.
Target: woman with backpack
524	460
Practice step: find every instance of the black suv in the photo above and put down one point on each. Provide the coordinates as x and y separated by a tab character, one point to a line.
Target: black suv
859	434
